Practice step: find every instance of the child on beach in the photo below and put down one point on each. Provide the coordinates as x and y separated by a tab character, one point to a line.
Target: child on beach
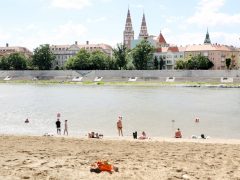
58	124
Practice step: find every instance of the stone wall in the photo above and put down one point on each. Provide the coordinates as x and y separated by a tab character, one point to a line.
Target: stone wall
180	76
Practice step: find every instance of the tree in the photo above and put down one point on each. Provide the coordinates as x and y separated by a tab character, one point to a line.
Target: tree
120	54
161	63
198	63
228	62
4	65
43	58
195	63
98	60
17	61
155	62
80	61
180	64
142	55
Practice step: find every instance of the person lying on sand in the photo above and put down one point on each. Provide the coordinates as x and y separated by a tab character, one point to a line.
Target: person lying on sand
101	166
95	135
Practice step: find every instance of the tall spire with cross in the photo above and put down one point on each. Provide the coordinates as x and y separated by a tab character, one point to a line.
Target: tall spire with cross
143	31
128	34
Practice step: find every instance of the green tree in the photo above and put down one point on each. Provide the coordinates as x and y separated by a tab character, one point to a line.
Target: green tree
79	62
43	58
111	64
180	64
161	63
228	62
155	62
199	63
17	61
98	60
143	55
4	65
120	54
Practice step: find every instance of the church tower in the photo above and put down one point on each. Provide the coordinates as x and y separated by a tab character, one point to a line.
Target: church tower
143	32
128	34
207	39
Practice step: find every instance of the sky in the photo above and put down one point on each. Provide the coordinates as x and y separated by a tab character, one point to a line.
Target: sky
30	23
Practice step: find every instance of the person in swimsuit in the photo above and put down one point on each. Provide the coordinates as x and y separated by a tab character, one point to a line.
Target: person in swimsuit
119	126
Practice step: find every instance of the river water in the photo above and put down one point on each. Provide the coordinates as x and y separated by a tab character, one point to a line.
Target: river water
96	108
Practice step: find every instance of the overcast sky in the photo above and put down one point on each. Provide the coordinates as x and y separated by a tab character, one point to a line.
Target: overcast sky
33	22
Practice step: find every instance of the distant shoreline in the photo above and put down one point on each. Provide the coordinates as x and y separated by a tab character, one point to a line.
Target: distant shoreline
139	83
130	139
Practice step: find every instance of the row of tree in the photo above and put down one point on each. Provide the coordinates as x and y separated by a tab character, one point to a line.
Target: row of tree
195	63
139	58
42	59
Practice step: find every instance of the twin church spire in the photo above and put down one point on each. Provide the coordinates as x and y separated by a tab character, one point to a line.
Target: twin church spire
143	32
128	34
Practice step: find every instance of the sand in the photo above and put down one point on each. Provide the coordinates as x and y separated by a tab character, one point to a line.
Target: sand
59	158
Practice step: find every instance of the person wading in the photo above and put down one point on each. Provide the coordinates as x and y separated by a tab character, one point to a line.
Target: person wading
119	126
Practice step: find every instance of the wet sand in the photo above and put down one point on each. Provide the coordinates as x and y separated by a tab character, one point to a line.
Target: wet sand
58	158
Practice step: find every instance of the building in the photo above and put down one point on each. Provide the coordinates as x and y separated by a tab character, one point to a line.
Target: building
214	52
143	34
7	50
169	53
161	42
64	52
143	31
128	34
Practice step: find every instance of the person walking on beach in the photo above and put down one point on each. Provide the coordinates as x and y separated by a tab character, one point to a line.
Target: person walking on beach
119	126
58	124
65	128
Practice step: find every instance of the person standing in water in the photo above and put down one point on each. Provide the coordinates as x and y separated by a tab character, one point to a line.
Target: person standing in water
65	128
58	124
119	126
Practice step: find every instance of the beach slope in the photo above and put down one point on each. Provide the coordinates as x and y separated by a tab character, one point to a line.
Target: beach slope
70	158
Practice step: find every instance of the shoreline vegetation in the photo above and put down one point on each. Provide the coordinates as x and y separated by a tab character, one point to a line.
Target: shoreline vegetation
139	83
70	158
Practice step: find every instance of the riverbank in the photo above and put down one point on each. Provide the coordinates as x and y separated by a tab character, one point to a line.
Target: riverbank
25	157
150	84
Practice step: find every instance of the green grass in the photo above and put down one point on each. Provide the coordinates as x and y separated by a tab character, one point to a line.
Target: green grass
102	83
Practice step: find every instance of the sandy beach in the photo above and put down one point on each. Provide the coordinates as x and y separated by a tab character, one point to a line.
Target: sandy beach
59	158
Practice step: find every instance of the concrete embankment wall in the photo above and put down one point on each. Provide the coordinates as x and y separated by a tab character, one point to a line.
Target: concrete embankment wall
111	76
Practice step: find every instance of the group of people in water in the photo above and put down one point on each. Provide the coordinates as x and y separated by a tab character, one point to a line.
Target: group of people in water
178	133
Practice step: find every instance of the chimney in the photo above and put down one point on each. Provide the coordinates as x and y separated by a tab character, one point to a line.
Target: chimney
76	43
87	42
7	45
